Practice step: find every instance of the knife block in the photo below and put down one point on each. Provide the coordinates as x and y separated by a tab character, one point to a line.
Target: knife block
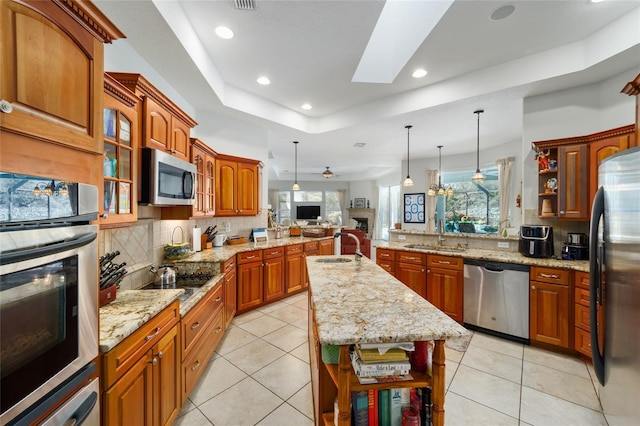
107	295
204	244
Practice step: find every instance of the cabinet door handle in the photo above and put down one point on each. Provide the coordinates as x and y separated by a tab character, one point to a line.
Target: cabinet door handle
561	211
6	107
555	277
195	325
195	366
422	270
218	330
533	287
154	361
151	336
218	299
160	354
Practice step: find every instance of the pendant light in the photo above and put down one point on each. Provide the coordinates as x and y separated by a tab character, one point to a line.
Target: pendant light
327	173
478	176
296	187
439	189
408	181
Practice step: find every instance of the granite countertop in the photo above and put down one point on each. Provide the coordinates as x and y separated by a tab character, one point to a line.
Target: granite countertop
362	303
131	309
221	254
496	256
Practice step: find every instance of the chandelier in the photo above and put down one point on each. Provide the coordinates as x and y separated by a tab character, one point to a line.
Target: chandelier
439	189
52	188
296	187
478	176
327	173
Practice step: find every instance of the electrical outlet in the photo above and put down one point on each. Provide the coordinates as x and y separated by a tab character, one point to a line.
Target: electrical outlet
402	237
503	244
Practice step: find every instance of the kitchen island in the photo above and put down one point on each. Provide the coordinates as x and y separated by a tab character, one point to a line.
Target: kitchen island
358	302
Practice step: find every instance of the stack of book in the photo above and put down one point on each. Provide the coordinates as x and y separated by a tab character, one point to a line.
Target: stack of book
373	365
383	407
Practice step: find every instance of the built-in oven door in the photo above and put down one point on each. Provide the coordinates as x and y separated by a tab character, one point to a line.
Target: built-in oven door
48	311
83	408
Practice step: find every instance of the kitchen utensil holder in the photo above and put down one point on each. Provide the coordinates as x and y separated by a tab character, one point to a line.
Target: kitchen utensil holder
204	243
107	295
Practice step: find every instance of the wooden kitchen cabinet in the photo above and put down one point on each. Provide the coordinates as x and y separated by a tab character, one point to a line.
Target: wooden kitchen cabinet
549	319
411	269
250	280
51	67
141	375
311	248
230	290
573	178
164	125
582	320
386	259
295	268
445	284
119	195
325	247
632	88
237	183
274	275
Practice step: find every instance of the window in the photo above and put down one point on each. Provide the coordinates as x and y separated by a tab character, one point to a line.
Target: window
284	207
389	207
330	210
473	208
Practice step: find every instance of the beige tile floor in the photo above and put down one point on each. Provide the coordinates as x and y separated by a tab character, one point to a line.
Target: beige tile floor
260	375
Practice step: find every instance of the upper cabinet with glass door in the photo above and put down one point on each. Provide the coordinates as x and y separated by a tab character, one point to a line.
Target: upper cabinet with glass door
119	195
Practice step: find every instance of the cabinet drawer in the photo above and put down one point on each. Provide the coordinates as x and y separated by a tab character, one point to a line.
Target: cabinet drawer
582	296
387	266
410	257
386	255
197	359
582	317
581	279
294	249
550	275
583	342
445	261
119	359
229	264
270	253
197	320
311	246
249	256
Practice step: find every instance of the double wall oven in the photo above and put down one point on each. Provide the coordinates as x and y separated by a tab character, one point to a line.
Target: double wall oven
48	301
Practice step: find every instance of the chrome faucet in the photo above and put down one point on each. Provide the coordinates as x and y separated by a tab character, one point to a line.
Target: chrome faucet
346	234
441	238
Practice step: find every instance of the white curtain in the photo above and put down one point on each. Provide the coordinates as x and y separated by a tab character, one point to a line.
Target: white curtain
432	179
505	172
342	196
274	199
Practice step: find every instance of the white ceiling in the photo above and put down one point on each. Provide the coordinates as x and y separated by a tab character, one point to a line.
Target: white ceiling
310	50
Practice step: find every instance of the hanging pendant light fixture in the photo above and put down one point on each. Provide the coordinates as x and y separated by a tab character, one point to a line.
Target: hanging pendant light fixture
296	187
439	189
327	173
408	181
478	176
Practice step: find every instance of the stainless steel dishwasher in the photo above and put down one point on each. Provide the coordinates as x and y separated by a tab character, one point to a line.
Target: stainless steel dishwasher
496	298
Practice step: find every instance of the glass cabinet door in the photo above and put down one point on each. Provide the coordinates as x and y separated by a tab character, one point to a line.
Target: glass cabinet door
117	163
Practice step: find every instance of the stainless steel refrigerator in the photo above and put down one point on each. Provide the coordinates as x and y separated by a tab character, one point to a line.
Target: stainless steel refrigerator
614	249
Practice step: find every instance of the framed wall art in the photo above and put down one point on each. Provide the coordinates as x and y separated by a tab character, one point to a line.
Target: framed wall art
359	203
414	208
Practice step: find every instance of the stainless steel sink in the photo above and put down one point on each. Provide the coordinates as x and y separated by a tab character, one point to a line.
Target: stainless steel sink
334	260
448	249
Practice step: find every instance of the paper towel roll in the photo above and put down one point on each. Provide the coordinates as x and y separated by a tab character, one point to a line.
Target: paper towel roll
196	238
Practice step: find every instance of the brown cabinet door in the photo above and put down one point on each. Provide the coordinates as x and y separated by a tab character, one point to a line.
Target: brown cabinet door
599	151
199	160
226	187
157	126
293	272
52	74
247	189
273	278
325	247
180	142
573	182
166	381
210	185
250	289
130	400
230	296
413	276
445	291
549	313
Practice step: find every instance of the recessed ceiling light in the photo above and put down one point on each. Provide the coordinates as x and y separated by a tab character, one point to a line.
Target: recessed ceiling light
264	81
596	1
419	73
306	106
503	12
224	32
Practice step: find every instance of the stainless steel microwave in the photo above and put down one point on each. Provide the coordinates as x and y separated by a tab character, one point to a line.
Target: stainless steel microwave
166	180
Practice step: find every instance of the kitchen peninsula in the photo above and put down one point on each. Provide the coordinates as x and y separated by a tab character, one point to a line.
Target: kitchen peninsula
358	302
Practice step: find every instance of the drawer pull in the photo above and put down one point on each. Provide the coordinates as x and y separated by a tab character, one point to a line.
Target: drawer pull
218	330
411	258
151	336
554	276
250	257
218	299
443	262
274	252
533	287
195	366
195	325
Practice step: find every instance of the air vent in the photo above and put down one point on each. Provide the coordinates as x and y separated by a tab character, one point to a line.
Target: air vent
245	4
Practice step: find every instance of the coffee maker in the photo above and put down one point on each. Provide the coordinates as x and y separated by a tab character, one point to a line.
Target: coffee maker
576	247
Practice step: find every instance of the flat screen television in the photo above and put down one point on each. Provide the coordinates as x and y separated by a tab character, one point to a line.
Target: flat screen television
307	212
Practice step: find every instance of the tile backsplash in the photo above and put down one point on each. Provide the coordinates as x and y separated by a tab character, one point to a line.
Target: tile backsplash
141	245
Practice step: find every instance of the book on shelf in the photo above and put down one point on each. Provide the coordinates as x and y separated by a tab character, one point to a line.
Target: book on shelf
373	407
360	407
384	379
395	406
374	355
384	416
382	368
